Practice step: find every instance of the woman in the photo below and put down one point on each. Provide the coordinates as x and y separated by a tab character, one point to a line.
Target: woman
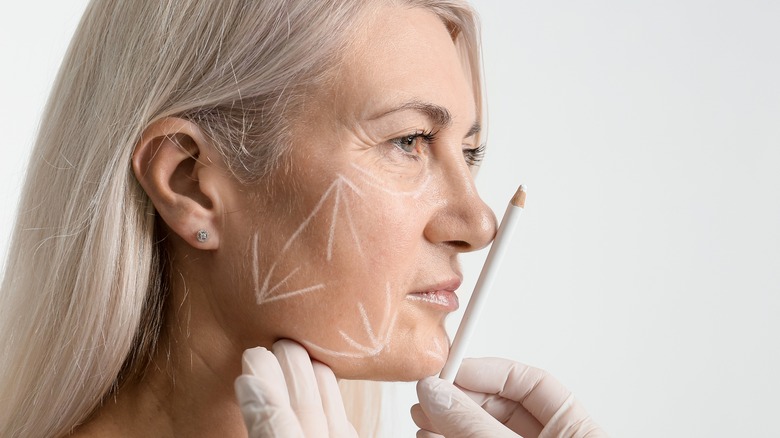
214	176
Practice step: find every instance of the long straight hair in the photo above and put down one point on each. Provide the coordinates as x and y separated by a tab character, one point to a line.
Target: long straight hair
85	282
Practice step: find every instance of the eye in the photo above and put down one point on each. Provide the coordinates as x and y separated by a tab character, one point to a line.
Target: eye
415	143
474	156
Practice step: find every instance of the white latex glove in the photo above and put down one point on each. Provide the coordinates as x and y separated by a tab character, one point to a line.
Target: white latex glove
500	399
287	394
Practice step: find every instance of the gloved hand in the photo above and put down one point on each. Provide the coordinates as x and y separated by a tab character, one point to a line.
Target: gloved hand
287	394
500	398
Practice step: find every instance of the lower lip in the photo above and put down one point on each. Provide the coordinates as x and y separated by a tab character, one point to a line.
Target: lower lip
443	299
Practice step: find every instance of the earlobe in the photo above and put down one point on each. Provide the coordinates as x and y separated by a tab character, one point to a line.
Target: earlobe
173	163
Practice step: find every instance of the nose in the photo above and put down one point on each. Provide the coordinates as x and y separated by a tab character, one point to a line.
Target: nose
462	220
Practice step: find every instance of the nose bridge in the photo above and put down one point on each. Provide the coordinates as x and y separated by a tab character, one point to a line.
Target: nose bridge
463	219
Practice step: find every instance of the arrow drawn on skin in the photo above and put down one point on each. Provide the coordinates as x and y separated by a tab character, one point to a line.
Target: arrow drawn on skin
266	293
375	344
371	339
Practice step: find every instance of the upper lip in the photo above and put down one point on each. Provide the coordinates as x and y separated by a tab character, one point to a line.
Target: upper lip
447	285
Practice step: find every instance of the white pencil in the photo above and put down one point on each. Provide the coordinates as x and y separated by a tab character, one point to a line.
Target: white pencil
484	284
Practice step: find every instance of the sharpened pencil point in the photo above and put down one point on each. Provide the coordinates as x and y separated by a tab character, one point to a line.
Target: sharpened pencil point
519	199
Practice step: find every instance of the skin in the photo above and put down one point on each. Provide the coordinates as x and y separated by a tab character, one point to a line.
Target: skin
355	218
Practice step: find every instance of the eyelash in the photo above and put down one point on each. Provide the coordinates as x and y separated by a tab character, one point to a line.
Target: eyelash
473	156
427	137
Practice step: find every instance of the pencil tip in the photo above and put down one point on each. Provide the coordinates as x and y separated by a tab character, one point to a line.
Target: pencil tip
519	199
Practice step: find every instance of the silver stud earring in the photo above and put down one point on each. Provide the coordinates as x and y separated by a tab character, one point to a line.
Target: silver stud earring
202	236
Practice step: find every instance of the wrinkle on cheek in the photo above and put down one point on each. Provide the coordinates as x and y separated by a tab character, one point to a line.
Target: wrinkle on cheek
414	192
343	223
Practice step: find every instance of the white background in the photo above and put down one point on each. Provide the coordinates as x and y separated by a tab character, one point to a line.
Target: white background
646	273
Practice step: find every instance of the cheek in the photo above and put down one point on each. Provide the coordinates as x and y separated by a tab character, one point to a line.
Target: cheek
336	282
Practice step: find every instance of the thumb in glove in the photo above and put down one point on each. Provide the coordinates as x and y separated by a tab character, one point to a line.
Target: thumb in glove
265	415
452	413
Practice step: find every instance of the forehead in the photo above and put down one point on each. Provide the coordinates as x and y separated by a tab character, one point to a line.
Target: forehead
401	55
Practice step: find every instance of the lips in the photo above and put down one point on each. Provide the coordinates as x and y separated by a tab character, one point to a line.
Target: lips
441	296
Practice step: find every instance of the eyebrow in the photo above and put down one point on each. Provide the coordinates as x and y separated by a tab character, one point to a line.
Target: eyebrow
474	130
437	114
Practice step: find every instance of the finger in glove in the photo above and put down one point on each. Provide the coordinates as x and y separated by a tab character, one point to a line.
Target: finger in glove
301	386
454	414
332	403
420	419
265	414
540	393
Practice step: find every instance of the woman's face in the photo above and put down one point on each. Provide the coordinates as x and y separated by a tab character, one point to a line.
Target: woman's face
352	250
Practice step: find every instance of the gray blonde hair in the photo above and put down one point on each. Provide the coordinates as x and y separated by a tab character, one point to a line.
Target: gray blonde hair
85	282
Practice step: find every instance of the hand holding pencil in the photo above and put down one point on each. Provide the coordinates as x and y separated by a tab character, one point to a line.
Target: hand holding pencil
496	397
499	398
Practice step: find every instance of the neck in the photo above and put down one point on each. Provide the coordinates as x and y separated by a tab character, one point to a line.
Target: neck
187	389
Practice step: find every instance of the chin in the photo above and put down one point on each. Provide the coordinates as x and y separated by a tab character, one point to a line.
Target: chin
389	367
409	355
420	370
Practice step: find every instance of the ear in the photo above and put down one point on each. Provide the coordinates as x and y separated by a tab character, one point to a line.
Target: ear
176	165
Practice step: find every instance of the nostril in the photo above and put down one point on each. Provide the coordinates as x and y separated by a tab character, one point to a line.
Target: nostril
460	245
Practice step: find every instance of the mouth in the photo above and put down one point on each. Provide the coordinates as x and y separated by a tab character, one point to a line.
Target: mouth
440	296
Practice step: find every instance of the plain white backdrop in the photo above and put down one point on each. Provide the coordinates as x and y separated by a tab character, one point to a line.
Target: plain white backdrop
646	273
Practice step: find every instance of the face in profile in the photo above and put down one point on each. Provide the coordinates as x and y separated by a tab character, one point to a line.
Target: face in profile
351	250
